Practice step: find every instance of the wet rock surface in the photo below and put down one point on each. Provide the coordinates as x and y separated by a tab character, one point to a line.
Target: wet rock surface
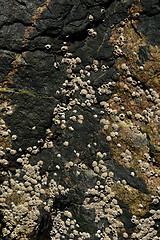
79	120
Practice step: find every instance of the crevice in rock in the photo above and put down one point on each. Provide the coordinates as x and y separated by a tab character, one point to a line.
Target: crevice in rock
150	14
28	24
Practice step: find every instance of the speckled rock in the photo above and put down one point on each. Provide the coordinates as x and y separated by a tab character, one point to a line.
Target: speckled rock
79	120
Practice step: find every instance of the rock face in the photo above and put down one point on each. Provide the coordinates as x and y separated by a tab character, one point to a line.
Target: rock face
79	119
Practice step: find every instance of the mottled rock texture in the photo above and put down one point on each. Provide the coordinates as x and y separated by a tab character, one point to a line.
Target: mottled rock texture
79	119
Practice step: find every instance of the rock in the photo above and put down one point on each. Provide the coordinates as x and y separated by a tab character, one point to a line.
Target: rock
79	119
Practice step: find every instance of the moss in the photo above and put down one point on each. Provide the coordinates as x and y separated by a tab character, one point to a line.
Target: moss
136	142
132	197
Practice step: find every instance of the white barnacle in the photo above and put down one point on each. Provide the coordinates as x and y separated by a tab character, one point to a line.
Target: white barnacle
13	151
83	92
48	46
14	137
108	138
96	169
68	214
91	18
64	48
94	164
66	143
4	162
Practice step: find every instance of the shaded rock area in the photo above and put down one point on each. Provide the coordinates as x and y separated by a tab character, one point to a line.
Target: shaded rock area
79	119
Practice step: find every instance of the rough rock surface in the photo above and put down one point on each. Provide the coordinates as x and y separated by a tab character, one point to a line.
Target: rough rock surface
79	119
